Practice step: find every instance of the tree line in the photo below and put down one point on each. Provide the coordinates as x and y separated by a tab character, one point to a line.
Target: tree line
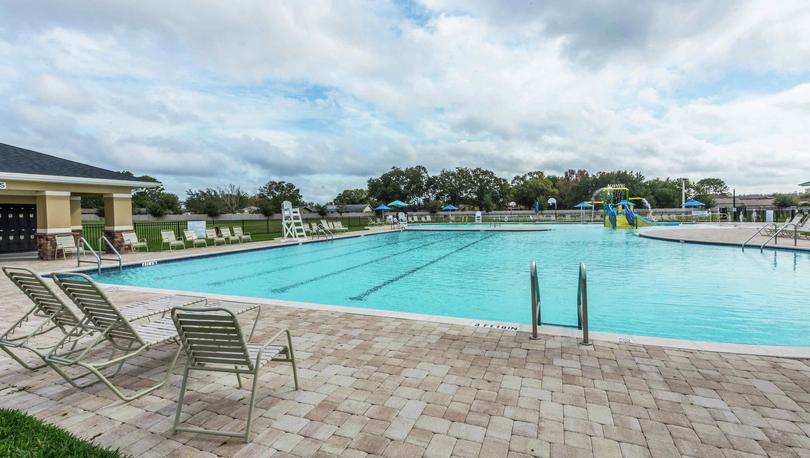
467	188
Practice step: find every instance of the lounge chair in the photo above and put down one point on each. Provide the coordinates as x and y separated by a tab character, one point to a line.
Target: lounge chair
211	234
66	244
191	237
212	340
427	219
372	222
113	326
225	232
56	316
132	241
242	236
168	238
59	319
340	227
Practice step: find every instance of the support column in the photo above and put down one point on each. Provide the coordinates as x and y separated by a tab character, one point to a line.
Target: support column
53	219
117	218
76	216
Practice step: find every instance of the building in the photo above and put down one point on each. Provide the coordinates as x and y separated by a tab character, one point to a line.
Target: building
348	208
40	199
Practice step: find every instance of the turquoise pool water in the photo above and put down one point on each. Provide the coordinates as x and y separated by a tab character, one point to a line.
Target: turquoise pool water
636	285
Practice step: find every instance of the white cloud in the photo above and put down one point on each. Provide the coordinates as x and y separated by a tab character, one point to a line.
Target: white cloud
327	93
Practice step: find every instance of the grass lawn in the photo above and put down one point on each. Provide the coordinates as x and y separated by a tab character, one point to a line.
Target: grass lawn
24	436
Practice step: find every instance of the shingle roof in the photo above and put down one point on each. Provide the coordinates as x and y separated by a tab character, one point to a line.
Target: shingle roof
20	160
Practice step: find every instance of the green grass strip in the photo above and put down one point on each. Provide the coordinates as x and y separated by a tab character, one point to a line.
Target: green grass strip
24	436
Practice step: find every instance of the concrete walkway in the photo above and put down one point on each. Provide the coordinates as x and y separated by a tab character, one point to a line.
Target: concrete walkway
726	235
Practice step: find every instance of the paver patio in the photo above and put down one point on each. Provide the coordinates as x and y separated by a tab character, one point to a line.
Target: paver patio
392	387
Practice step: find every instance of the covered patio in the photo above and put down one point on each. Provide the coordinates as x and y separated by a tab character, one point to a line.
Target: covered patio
40	200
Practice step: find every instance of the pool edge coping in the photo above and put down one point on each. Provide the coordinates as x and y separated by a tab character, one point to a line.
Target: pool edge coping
792	352
650	235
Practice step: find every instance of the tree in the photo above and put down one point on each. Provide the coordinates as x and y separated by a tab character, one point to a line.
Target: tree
204	201
785	200
489	191
713	186
529	188
233	198
351	196
156	201
273	193
410	184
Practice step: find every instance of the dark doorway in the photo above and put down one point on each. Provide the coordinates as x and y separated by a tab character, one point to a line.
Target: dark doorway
18	228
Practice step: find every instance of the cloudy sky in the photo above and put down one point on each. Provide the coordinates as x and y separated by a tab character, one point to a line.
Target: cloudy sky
326	94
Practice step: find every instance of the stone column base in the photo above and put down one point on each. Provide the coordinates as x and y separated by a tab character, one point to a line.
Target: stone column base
46	246
117	240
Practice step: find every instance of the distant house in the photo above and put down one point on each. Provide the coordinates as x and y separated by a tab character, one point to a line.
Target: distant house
349	208
750	202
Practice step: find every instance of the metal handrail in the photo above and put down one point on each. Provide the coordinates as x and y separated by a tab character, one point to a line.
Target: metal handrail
325	231
759	231
535	300
582	303
775	236
114	251
81	245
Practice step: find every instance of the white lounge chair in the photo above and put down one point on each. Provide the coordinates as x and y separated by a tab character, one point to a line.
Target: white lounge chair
168	238
225	232
212	340
112	327
211	234
132	241
340	227
242	236
66	244
191	237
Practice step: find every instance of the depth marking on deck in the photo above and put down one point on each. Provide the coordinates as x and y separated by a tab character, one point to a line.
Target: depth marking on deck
362	296
284	289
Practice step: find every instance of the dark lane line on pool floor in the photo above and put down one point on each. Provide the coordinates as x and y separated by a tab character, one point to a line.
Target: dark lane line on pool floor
260	261
306	263
362	296
284	289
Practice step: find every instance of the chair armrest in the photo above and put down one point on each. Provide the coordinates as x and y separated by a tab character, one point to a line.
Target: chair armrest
271	340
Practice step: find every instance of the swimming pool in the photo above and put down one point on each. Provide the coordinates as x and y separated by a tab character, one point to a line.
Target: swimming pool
636	286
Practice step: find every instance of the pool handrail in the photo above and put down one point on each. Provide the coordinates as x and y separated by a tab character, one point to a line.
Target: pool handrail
582	303
775	236
535	299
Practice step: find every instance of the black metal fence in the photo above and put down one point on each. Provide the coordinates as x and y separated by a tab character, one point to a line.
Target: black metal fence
259	229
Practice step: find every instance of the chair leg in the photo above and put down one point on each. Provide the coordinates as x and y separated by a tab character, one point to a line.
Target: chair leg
252	404
292	360
180	400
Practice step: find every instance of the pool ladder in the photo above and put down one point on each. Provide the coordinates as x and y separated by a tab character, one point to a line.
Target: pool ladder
83	246
582	303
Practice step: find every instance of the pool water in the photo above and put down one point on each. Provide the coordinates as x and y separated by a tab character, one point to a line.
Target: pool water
636	285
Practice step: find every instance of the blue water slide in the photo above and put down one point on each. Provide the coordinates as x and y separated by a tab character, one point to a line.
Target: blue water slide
630	216
611	213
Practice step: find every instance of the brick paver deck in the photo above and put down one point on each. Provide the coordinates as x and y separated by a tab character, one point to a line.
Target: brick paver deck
392	387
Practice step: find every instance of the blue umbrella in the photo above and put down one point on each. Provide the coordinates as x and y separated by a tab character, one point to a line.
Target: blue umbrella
382	208
450	208
583	205
693	203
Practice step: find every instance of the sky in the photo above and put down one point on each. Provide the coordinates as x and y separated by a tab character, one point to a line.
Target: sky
325	94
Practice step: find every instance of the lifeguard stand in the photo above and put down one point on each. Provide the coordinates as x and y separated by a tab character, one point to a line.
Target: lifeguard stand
292	226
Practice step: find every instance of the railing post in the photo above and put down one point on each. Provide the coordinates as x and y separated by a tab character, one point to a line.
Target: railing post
535	299
582	303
